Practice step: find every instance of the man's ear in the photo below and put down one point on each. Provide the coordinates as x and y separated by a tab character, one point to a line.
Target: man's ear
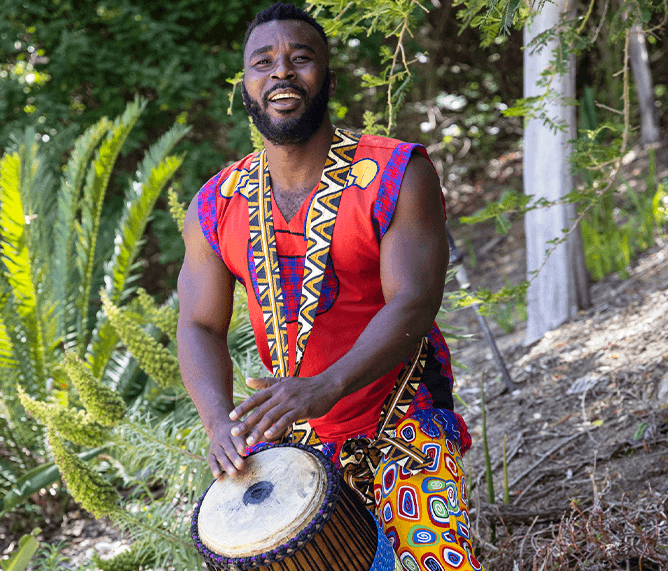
332	83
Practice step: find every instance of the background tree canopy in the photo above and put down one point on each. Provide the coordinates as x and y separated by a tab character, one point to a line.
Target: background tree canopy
65	64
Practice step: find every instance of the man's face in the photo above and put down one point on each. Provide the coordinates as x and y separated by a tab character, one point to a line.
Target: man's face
287	83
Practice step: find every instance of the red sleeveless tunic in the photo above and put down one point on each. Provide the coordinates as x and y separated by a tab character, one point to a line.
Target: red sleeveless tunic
351	290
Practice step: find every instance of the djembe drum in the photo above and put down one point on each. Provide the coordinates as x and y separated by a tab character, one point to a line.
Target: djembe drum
290	511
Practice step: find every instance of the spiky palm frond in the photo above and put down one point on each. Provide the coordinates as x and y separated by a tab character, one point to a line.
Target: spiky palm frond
154	172
18	269
97	180
7	356
63	275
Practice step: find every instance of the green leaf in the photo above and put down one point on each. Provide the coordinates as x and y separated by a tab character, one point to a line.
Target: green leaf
640	431
28	546
154	173
7	358
18	269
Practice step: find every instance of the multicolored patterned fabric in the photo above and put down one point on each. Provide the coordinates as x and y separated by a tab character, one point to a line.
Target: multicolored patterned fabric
388	193
292	270
359	457
425	515
265	258
319	228
386	559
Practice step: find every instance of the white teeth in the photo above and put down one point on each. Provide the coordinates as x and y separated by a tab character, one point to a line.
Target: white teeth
285	96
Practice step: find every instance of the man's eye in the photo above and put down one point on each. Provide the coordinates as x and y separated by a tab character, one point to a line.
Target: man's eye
262	62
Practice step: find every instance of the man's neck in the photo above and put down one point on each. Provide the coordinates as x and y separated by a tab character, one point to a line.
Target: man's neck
294	168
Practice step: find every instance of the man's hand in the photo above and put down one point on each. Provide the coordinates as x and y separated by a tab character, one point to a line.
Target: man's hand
279	403
226	452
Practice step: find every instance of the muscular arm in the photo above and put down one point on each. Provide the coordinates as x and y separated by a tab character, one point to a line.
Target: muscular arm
206	289
413	260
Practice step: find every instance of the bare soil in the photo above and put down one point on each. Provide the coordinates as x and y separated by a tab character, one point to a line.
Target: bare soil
586	428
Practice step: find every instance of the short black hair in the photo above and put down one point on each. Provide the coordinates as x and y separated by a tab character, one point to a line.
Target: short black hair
281	11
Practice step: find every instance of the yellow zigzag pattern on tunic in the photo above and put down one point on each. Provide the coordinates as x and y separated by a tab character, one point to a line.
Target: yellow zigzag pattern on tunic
265	258
320	225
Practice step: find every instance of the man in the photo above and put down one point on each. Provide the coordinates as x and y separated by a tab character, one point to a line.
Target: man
340	243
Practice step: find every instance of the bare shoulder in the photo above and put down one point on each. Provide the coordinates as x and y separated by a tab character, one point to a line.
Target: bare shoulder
205	284
192	231
420	192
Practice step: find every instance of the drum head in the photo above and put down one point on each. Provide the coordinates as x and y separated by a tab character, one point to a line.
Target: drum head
277	495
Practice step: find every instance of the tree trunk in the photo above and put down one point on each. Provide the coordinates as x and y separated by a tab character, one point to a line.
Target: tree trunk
642	77
561	287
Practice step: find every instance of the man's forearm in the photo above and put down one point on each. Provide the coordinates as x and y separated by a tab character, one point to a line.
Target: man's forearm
387	340
207	372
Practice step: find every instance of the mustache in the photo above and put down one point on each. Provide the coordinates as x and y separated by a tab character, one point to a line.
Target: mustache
283	85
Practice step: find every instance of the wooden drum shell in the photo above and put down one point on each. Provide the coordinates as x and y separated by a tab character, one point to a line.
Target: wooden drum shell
347	539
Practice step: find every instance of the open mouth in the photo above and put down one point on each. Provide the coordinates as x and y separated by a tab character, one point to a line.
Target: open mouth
284	97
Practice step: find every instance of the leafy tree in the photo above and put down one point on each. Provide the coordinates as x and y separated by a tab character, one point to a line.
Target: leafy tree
558	281
64	65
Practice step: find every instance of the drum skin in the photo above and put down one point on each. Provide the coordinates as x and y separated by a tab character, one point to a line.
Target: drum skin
319	525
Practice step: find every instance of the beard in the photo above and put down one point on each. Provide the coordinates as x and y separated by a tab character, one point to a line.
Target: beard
289	131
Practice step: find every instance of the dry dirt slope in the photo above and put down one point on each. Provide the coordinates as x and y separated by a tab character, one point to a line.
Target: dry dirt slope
588	420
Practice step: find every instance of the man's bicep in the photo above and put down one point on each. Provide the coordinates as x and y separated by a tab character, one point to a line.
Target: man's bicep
414	250
205	284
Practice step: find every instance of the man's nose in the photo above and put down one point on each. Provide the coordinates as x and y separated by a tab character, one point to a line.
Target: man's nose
283	68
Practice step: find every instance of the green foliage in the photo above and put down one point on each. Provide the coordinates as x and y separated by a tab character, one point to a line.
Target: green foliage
77	426
27	548
93	492
50	558
155	359
392	19
176	209
103	403
54	247
495	17
94	190
28	484
139	555
164	317
510	202
611	246
69	63
600	144
156	440
488	300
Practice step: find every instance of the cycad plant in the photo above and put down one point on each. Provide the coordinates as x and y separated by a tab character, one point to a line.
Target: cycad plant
93	361
52	266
